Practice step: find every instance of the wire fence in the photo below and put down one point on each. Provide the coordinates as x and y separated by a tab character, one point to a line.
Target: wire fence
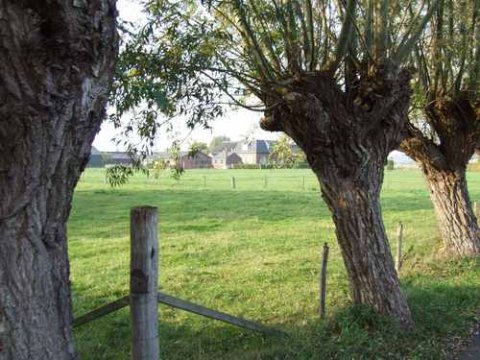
272	179
204	238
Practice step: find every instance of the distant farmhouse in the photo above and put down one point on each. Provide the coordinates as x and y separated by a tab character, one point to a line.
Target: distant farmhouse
199	161
231	155
101	159
255	152
226	159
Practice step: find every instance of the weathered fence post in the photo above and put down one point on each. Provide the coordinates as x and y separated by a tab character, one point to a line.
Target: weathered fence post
265	182
143	283
323	280
233	182
398	260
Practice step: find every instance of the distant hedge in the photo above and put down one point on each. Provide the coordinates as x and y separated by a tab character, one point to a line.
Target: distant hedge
269	166
252	166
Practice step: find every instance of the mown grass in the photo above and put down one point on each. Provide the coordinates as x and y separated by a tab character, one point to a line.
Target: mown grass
254	252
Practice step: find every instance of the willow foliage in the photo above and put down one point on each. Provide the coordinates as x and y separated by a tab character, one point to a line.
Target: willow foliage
192	58
448	52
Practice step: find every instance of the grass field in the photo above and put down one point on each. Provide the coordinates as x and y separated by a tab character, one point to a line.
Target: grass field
254	252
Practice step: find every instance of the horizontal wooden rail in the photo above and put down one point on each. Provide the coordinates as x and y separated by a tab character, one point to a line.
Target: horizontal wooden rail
213	314
102	311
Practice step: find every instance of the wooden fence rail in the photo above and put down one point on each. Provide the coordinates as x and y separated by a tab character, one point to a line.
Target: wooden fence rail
102	311
144	296
178	303
213	314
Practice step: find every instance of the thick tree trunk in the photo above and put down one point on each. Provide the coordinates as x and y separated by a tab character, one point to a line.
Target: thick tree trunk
56	65
347	138
456	123
360	232
456	219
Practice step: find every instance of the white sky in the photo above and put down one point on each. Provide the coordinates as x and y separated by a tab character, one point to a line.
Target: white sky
235	124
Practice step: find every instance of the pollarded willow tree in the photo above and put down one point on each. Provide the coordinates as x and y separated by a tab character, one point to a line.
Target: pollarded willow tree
56	68
443	135
329	74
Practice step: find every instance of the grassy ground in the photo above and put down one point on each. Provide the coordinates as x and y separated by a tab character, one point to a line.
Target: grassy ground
254	252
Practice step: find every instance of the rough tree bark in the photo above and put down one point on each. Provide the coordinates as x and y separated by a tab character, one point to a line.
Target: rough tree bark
347	136
456	123
56	65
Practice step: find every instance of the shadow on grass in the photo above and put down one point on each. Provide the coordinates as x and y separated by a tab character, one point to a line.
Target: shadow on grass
193	337
356	332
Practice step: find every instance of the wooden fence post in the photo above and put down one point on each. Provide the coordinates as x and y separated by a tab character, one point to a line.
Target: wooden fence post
323	281
265	182
398	260
143	283
233	182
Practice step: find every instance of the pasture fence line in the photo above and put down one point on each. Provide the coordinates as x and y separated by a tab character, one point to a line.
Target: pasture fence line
262	181
144	296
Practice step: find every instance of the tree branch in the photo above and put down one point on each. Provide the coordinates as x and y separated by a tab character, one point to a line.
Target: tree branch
422	149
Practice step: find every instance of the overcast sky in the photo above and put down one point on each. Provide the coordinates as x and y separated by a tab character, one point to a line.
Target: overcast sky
236	124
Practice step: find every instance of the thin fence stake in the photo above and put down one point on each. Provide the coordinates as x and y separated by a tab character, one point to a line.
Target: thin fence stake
265	182
398	262
143	283
233	182
323	281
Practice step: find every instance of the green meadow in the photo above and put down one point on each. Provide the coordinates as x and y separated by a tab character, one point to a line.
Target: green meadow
254	251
